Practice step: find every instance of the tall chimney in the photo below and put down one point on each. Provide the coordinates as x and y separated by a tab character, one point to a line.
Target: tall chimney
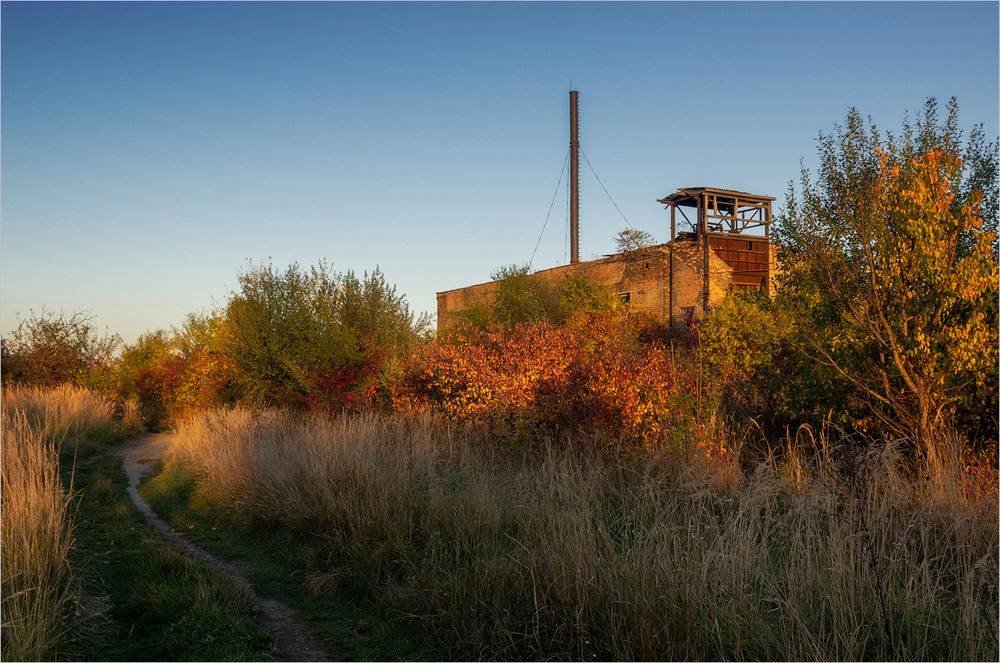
574	178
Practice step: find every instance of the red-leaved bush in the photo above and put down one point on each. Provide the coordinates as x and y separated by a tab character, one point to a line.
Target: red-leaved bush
178	382
352	386
591	376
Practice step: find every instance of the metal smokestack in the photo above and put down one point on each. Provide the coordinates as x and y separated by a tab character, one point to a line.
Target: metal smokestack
574	178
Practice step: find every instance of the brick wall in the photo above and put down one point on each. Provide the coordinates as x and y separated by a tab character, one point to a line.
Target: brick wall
645	275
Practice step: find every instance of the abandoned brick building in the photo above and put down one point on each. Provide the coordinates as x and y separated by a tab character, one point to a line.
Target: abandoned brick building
727	247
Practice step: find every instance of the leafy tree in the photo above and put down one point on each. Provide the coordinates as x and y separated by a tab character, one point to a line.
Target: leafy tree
137	358
371	307
521	297
48	349
889	269
631	239
286	332
742	334
742	345
581	295
200	331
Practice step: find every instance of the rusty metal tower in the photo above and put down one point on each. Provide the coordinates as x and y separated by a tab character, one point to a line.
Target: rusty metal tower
722	219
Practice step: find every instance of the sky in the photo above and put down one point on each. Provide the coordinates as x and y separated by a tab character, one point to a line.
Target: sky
149	152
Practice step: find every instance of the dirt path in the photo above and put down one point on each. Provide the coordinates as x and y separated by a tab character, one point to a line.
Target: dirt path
295	638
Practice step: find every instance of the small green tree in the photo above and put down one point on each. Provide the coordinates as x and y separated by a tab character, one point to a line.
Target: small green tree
522	297
889	268
518	297
582	295
632	239
199	331
742	334
740	343
371	307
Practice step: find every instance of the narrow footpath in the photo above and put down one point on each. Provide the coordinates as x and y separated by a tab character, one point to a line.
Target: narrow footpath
295	638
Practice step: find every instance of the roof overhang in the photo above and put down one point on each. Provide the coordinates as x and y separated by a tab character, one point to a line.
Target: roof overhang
690	197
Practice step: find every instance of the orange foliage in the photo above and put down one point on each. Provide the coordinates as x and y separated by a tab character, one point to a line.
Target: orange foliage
592	375
199	379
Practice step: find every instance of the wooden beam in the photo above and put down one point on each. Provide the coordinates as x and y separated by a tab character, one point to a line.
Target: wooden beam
705	249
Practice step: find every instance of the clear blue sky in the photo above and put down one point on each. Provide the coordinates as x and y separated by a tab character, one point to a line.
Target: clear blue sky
150	150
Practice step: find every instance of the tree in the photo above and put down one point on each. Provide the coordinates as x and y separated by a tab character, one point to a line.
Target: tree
522	297
631	239
287	332
49	349
581	295
371	307
889	270
518	297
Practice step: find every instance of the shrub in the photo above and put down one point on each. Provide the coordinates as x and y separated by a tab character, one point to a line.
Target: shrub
179	370
286	333
49	349
539	381
521	297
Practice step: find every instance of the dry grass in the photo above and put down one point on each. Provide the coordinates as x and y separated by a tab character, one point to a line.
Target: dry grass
653	558
36	537
35	530
73	414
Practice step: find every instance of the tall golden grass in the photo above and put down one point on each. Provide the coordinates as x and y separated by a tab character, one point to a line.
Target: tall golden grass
72	413
35	527
660	557
36	538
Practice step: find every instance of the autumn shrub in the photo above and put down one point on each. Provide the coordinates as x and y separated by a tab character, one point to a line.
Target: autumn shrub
47	349
171	372
538	381
359	385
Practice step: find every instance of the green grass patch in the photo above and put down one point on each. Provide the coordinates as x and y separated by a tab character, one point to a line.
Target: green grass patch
142	598
287	568
84	443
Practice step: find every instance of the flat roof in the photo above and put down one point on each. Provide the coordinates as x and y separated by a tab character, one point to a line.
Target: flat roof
688	195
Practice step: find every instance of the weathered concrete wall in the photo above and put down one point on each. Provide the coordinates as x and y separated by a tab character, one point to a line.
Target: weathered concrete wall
645	275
